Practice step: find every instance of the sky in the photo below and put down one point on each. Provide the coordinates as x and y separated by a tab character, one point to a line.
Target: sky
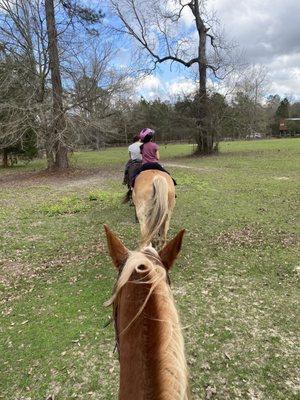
268	33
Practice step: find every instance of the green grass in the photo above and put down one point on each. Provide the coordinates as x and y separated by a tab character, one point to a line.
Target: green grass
235	282
93	159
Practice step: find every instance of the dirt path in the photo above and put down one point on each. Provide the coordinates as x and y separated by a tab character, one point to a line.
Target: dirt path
75	177
189	167
72	178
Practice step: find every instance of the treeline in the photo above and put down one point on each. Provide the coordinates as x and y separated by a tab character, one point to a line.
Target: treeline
100	116
239	118
60	90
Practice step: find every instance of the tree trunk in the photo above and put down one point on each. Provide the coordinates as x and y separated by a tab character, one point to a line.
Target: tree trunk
204	139
59	122
126	136
50	159
5	158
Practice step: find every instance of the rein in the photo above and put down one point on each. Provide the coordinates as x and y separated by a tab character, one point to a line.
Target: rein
114	317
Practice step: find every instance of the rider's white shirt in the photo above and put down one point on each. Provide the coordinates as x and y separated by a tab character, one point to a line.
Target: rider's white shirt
134	150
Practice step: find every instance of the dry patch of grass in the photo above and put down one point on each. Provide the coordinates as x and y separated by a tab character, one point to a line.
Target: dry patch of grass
247	236
255	236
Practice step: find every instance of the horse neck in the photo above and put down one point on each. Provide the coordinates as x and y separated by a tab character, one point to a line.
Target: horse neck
152	361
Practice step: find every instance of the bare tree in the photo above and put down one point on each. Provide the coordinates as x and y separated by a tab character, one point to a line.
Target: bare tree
23	69
95	97
24	43
59	122
32	39
253	80
158	29
250	88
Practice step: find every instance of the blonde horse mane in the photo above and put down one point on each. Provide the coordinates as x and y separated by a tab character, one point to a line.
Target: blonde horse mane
173	367
157	209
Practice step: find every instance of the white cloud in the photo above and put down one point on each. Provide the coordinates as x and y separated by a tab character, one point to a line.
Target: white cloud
285	75
152	87
186	14
269	32
149	82
181	87
188	17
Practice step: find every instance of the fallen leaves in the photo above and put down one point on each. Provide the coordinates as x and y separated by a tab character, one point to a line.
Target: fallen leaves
210	392
205	366
247	236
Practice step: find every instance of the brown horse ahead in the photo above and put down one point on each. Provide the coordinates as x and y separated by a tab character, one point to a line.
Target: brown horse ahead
150	342
154	200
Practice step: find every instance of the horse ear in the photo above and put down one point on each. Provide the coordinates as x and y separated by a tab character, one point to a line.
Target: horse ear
116	248
170	251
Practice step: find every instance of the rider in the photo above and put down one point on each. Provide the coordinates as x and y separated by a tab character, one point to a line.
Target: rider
150	154
150	158
134	148
149	149
135	158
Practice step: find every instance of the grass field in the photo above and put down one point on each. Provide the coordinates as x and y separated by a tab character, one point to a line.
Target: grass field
235	282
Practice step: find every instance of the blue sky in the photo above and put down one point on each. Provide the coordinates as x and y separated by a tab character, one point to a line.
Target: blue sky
267	31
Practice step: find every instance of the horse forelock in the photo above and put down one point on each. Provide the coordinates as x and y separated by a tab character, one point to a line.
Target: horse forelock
145	263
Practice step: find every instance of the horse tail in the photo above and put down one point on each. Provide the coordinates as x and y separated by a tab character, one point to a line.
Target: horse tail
157	210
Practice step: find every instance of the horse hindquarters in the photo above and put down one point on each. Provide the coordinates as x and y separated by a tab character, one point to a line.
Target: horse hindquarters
154	199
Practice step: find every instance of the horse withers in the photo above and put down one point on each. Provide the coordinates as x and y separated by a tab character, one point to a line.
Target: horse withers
148	333
154	199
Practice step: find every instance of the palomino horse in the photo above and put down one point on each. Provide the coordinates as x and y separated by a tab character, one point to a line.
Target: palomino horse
154	199
148	333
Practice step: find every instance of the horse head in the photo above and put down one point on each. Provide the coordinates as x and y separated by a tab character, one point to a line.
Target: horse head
147	325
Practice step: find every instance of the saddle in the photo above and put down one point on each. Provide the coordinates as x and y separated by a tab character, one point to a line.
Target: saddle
146	167
131	167
132	170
